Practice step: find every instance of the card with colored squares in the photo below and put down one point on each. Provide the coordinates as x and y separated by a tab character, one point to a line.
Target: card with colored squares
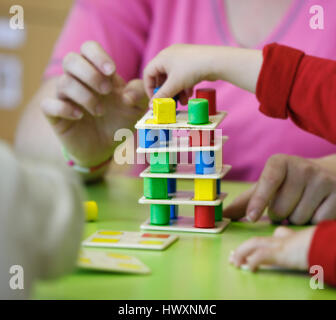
129	240
110	261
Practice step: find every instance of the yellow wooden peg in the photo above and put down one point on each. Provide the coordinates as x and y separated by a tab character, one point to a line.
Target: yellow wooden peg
205	189
164	110
91	210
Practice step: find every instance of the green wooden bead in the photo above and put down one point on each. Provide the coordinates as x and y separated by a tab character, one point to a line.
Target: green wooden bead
160	214
219	212
198	111
160	162
156	188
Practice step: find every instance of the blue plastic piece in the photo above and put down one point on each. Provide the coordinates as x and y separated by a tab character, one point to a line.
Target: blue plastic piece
149	138
173	211
171	185
205	162
218	184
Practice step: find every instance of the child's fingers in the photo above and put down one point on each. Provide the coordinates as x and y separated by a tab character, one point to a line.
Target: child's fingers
243	251
80	68
71	89
93	52
183	97
170	88
237	209
56	108
270	180
152	75
261	256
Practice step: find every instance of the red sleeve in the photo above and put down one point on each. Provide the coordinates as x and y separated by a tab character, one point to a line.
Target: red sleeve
302	87
322	250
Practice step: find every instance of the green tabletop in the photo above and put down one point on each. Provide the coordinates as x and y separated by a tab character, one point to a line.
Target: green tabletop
194	267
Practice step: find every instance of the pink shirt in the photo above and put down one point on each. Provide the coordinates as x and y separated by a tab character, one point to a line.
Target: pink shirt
134	31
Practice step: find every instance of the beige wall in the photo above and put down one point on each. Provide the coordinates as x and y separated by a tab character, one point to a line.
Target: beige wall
43	22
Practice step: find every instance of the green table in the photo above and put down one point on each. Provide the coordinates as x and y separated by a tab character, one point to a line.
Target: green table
195	267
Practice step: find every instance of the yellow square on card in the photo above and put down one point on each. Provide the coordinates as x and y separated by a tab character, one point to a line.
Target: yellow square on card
110	233
164	110
106	240
205	189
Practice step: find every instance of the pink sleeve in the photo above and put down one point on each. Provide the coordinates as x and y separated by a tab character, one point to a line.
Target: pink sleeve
120	26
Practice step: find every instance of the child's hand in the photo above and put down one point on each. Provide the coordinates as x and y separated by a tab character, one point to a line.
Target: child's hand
181	66
90	103
291	188
178	68
286	249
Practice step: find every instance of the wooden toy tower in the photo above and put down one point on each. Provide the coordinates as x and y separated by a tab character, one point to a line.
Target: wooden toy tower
155	132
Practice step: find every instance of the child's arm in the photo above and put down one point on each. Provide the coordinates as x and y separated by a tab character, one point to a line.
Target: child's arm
284	178
322	250
287	82
41	220
179	67
315	246
302	87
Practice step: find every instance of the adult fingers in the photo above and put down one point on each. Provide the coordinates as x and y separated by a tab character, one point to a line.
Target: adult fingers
80	68
326	211
94	52
97	56
56	108
134	93
71	89
269	182
237	209
288	195
317	189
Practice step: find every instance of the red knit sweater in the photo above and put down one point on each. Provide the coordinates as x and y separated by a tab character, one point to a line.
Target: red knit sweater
293	84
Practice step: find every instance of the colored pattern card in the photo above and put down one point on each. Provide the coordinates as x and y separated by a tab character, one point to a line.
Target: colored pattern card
129	240
110	261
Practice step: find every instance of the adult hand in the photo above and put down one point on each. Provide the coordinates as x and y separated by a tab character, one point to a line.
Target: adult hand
91	102
292	188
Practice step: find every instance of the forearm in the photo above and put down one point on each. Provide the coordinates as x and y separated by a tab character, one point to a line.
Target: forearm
35	138
241	67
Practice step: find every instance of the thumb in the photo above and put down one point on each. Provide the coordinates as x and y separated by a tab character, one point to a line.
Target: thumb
237	209
134	94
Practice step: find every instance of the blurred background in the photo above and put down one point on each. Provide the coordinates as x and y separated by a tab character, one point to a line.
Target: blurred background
24	54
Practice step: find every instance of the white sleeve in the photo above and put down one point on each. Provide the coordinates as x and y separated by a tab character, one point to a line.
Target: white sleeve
41	221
